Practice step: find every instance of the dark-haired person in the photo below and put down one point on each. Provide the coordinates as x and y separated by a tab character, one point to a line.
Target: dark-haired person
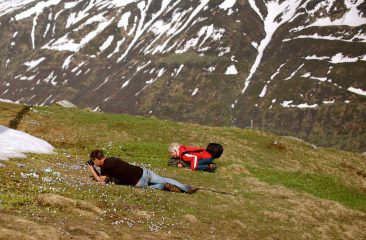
122	172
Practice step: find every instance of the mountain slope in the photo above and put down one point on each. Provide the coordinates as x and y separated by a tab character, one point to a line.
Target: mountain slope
292	66
283	188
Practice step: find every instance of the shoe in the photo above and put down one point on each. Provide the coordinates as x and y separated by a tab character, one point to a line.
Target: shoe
171	188
192	190
211	167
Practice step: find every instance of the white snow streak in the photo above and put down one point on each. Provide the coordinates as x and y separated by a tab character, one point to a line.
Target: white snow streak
286	9
264	90
358	91
65	44
107	43
359	37
34	63
328	102
177	71
294	73
37	9
12	6
67	61
277	72
287	104
68	5
178	28
255	8
141	28
118	46
339	58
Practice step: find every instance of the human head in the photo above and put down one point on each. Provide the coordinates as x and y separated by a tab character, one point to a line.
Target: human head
174	149
96	155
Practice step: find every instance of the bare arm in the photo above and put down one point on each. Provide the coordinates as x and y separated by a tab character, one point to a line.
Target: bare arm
100	179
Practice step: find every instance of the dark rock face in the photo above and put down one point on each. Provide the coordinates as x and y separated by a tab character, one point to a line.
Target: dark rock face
296	67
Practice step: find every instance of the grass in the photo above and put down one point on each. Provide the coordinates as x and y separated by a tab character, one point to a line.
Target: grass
322	186
190	58
272	183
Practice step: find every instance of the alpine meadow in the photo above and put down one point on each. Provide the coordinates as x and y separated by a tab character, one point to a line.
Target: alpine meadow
277	85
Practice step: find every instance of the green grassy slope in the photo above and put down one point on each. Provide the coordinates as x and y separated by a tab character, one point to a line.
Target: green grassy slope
284	189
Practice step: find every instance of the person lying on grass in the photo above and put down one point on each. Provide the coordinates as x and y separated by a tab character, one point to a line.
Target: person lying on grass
121	172
194	157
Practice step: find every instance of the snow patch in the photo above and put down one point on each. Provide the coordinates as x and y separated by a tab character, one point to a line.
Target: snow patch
66	44
287	104
210	69
125	84
15	143
314	57
195	92
225	5
287	11
116	50
353	17
107	43
231	70
34	63
263	93
123	22
67	61
340	58
177	70
328	102
358	91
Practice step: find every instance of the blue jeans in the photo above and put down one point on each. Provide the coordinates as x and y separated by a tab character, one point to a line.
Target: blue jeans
152	180
203	163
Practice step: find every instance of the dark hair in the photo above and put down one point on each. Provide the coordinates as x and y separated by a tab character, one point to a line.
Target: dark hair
215	149
96	154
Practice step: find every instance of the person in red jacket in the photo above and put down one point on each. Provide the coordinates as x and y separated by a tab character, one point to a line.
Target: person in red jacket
197	158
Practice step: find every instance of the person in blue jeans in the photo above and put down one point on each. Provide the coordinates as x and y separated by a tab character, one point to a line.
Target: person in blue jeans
121	172
195	157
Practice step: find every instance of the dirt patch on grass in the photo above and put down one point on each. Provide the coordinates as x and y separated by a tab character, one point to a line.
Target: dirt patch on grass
87	233
236	168
14	227
81	208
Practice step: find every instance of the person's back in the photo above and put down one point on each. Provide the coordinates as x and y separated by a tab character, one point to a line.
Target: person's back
125	173
186	153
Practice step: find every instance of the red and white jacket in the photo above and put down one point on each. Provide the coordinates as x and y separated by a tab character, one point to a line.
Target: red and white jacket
193	155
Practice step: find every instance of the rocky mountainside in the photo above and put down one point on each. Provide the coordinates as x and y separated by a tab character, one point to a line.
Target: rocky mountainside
295	67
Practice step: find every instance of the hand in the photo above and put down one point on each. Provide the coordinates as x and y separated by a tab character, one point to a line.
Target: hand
180	165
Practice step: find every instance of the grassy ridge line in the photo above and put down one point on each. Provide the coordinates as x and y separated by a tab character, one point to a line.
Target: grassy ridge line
250	160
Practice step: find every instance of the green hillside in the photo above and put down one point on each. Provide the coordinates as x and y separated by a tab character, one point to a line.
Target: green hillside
280	187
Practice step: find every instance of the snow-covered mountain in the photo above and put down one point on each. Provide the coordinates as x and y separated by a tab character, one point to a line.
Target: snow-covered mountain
295	66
